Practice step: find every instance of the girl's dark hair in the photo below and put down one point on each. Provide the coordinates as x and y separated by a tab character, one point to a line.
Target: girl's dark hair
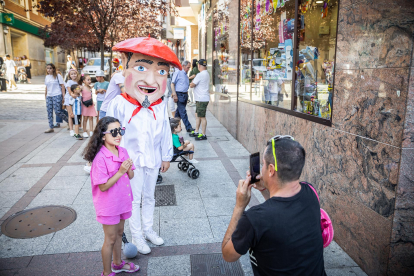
74	86
54	69
174	124
96	142
82	78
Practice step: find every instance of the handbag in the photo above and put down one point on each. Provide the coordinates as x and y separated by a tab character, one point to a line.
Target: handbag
326	223
88	102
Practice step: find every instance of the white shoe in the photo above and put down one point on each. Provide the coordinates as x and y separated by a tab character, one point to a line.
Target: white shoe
151	236
90	133
87	169
193	161
85	135
15	88
141	245
71	133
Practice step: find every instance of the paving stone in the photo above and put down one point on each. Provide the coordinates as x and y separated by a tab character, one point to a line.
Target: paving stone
37	172
12	184
242	165
84	197
219	226
77	156
186	191
64	182
215	189
246	264
172	266
85	213
233	148
346	271
40	159
13	263
335	257
54	197
71	171
222	206
3	211
186	231
186	208
8	199
10	248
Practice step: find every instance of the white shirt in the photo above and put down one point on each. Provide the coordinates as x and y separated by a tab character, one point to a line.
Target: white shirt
113	90
10	66
68	97
202	88
148	141
53	85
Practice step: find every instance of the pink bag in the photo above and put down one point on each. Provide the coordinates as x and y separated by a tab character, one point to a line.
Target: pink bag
326	224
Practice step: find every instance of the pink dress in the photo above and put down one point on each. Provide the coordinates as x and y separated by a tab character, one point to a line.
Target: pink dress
90	110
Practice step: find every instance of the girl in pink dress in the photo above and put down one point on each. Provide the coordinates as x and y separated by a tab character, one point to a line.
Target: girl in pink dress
88	112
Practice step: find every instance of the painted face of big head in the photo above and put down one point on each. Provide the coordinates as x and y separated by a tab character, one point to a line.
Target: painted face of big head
145	78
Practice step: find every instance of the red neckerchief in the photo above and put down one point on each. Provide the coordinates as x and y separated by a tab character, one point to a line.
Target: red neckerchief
139	106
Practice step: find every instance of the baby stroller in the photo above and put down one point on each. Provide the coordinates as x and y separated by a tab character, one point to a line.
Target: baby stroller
185	165
21	74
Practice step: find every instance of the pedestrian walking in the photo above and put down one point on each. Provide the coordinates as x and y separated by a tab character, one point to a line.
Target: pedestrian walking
112	196
201	85
114	89
27	65
172	106
88	106
54	95
100	89
3	77
193	73
11	70
179	86
283	234
73	79
70	64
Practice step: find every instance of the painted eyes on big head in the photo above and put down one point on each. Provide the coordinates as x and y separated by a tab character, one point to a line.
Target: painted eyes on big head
162	72
140	68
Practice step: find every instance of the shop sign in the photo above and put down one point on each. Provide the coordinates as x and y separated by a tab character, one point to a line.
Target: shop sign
178	33
7	18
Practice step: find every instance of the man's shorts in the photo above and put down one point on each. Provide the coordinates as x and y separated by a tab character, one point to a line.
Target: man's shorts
98	105
201	109
113	220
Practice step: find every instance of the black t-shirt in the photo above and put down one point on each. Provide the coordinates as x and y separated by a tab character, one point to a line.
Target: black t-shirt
283	235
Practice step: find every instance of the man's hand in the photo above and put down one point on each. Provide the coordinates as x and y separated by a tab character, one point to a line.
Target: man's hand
165	166
258	185
175	97
243	193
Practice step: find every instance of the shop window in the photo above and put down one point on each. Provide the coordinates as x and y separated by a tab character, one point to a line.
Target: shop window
288	64
209	48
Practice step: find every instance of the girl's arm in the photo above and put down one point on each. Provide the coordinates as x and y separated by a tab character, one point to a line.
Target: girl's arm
63	90
125	167
45	92
130	173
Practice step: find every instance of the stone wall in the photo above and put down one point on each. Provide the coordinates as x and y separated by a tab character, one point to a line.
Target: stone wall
362	166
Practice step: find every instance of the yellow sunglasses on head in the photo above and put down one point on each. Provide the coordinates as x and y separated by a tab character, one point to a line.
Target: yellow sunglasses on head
273	140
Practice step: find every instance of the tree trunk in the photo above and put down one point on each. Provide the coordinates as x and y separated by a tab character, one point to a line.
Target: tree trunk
101	44
110	61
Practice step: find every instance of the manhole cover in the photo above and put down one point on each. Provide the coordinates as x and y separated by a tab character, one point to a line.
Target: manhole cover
165	195
214	265
38	221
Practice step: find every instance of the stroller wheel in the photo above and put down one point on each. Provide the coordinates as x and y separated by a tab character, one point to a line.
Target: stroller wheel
185	167
195	174
180	165
189	171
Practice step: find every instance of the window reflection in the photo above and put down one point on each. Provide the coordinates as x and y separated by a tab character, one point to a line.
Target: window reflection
245	48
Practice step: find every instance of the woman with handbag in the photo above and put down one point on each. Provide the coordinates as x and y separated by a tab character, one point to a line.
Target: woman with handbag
26	63
88	107
54	95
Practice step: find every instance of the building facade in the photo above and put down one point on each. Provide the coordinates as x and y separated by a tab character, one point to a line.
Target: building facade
20	24
338	76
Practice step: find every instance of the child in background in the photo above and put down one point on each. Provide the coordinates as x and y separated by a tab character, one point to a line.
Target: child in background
88	112
74	102
111	190
100	89
73	79
178	142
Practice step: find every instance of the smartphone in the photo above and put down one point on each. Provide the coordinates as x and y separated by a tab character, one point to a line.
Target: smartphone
254	166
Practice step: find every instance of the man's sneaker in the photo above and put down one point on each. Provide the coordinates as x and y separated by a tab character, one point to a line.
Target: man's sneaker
193	134
85	135
190	130
201	137
153	237
141	245
78	137
57	125
72	133
193	161
50	130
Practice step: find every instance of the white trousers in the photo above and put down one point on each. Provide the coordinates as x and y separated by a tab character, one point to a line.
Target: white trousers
143	185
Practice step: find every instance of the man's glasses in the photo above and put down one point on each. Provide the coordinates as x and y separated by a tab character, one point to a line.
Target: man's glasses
116	131
273	141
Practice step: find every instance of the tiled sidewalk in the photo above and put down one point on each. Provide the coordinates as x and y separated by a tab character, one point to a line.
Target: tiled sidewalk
46	169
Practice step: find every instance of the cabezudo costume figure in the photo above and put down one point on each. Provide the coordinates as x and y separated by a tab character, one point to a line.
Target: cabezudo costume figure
148	134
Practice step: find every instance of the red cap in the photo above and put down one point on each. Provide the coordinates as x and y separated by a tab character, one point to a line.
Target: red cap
115	60
150	47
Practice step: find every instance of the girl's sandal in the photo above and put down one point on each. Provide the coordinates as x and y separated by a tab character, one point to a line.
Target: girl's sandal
119	268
